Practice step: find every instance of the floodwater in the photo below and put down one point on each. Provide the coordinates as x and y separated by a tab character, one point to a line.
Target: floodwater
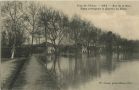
80	72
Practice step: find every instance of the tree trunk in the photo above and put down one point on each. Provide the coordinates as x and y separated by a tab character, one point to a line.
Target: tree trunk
88	50
13	52
32	40
45	40
39	40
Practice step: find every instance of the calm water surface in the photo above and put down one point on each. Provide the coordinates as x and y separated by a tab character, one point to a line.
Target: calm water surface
78	73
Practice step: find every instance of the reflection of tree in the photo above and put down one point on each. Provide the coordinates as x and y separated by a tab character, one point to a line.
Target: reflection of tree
79	69
53	69
110	62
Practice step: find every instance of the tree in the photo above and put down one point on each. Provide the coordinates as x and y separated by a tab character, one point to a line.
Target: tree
88	35
75	29
57	28
12	13
44	19
32	18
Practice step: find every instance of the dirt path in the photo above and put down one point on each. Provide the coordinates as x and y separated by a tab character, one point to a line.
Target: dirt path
33	77
6	70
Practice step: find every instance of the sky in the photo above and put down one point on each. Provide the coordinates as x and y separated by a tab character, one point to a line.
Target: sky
122	22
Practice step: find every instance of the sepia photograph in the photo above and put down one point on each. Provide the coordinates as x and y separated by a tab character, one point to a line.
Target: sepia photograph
69	45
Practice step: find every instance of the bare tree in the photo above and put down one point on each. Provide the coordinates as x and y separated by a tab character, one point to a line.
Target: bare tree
75	30
57	28
55	23
44	19
32	18
12	13
88	35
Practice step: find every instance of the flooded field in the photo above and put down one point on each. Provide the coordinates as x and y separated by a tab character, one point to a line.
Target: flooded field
69	45
79	72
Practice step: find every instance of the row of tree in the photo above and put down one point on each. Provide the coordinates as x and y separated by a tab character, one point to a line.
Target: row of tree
24	20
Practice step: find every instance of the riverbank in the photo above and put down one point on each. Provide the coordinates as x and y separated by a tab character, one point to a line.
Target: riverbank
9	71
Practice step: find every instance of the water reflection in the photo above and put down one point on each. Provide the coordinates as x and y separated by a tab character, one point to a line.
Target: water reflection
73	71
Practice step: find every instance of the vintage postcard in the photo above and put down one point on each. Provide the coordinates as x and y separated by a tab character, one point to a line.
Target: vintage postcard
69	45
